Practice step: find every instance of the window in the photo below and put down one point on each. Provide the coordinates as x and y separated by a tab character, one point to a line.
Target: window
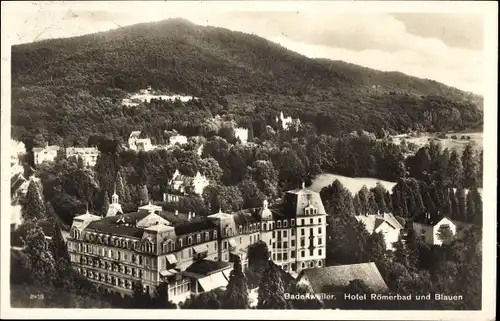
302	242
240	229
320	230
311	252
293	222
311	232
302	222
302	232
279	256
285	245
274	257
264	225
303	265
278	224
302	253
285	224
293	232
285	256
250	239
319	252
320	263
311	264
319	220
198	238
320	241
224	245
285	234
207	236
311	221
292	243
190	253
215	234
172	246
274	234
292	254
190	240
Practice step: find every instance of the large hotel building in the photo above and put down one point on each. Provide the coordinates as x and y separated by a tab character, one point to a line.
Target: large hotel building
194	254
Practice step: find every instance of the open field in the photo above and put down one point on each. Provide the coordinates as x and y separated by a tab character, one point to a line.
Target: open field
448	142
353	184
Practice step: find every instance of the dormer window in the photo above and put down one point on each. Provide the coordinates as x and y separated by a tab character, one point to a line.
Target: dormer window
207	236
240	229
198	238
278	224
285	224
190	240
180	243
215	234
293	222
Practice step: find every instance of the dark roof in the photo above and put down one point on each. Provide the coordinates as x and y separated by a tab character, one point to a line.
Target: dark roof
422	219
340	275
109	225
206	267
179	222
246	216
194	226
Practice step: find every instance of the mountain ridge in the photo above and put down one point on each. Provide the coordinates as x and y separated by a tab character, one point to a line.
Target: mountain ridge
180	57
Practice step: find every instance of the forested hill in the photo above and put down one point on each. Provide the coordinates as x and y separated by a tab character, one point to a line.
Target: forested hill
176	56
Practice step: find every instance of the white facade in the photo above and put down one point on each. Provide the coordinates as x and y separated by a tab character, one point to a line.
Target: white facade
88	154
242	134
180	182
178	139
47	154
386	224
287	122
139	144
430	231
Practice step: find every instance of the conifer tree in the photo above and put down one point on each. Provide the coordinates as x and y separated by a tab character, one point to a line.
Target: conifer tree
470	208
121	188
462	204
39	259
236	295
105	205
470	165
143	195
34	207
271	290
61	256
455	169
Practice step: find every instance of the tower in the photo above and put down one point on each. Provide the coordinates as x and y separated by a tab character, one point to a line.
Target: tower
114	207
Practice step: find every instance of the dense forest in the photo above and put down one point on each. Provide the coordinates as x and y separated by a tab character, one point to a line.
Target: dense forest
65	90
68	92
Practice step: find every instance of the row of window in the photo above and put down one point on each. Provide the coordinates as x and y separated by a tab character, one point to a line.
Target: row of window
111	266
304	265
179	288
123	283
112	254
311	231
284	256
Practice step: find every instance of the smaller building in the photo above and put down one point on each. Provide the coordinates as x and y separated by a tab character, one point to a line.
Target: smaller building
178	139
241	134
429	228
88	154
287	122
139	144
207	275
183	184
385	223
45	154
332	279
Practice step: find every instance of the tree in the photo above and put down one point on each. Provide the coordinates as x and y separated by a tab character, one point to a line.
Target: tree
478	206
121	189
337	199
455	170
236	295
271	290
61	257
105	205
445	234
470	165
462	204
224	198
252	196
160	299
379	195
140	299
33	207
143	195
266	177
39	260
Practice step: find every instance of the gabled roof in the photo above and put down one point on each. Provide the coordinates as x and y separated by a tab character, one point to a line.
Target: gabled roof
340	275
52	148
135	134
432	221
373	221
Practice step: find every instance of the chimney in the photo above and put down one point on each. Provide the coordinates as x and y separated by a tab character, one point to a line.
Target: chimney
265	204
176	212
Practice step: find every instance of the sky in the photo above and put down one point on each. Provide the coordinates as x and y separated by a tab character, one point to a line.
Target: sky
446	47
